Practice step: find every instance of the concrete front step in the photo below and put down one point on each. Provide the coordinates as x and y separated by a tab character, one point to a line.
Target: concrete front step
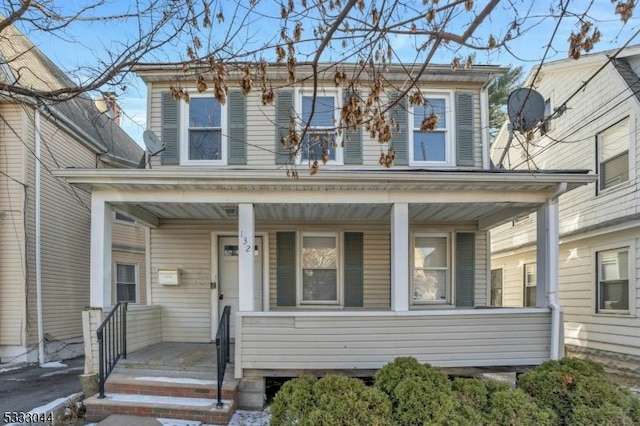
150	382
201	409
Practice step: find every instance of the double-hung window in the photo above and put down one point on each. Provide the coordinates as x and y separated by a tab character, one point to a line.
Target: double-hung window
496	287
432	147
431	269
613	155
203	136
320	269
613	281
319	116
126	283
530	285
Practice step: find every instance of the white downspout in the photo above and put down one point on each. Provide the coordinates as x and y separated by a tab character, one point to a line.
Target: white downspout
38	187
552	273
484	123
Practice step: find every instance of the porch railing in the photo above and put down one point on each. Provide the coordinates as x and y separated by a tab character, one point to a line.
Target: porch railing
112	343
222	348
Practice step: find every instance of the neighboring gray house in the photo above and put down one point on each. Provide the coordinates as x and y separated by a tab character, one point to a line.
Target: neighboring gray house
599	223
44	222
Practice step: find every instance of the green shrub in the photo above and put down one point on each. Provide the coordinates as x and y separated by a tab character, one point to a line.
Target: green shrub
514	407
471	393
417	401
580	393
293	402
332	400
606	414
388	377
552	382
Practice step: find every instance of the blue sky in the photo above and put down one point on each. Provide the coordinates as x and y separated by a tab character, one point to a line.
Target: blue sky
85	44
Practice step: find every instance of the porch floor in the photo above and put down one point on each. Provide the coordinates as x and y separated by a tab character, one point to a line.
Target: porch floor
177	356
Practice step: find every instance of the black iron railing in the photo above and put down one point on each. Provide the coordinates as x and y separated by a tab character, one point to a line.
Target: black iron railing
112	342
223	344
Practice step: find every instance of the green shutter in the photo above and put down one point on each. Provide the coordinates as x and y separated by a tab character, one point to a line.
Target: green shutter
169	114
237	113
353	269
286	268
400	137
352	139
464	129
465	269
284	112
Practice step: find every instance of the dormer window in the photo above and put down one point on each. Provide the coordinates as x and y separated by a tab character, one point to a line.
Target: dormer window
321	137
203	139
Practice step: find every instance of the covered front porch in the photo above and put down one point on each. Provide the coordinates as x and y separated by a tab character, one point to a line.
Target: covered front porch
239	240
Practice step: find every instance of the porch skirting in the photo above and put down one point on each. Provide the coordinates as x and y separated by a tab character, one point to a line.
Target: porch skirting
369	340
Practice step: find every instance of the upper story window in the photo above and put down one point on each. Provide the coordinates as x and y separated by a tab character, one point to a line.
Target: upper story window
612	281
432	147
546	126
613	155
321	141
431	269
203	136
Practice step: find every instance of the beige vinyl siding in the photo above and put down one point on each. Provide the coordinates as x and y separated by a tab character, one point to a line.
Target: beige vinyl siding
65	228
577	293
144	326
293	341
186	308
12	236
125	235
261	130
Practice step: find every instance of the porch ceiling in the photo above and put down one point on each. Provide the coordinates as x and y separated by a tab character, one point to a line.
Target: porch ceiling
441	212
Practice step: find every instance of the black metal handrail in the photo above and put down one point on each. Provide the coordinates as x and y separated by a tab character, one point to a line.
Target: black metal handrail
114	347
222	348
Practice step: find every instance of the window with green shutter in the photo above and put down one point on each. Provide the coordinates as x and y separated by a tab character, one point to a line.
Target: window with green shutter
203	131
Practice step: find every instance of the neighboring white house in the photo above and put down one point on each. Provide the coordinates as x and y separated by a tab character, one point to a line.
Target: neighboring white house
599	223
44	222
344	270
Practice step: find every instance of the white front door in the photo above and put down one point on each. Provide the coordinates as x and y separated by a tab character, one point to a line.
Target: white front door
228	291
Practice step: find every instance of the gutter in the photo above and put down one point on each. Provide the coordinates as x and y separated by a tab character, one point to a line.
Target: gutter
38	188
552	286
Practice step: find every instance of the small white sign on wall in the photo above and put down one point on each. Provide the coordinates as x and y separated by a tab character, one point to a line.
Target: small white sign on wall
169	276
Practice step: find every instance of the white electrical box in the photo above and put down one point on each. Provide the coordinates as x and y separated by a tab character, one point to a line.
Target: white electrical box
169	276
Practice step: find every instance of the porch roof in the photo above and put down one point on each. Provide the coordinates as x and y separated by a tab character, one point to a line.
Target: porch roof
483	199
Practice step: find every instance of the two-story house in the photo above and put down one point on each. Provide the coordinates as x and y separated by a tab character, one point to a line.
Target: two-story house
599	229
45	222
339	271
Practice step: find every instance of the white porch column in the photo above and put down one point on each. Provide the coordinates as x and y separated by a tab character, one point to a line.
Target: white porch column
246	249
548	272
547	262
400	257
100	284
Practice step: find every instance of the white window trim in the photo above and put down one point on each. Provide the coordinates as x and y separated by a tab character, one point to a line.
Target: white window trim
337	94
631	313
184	133
448	96
631	124
340	300
450	266
137	280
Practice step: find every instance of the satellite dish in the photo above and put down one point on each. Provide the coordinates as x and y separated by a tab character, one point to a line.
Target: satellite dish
525	108
153	142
